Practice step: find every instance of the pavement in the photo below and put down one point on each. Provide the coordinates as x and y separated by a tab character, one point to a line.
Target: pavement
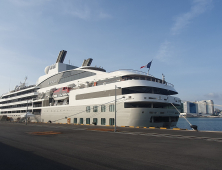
61	146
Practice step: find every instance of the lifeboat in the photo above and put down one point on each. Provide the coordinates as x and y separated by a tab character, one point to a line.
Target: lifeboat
61	93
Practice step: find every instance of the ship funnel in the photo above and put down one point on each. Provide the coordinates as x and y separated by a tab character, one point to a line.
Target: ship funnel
61	56
87	62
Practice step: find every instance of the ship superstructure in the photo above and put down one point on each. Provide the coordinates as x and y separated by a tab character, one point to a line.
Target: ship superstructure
18	102
86	95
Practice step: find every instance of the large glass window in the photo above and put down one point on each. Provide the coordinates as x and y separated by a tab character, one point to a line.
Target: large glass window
66	77
103	108
87	108
111	108
95	121
75	120
111	121
156	119
87	120
137	105
103	121
72	76
81	120
144	89
95	108
193	108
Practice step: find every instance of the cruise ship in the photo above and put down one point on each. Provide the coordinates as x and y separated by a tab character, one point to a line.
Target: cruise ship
90	95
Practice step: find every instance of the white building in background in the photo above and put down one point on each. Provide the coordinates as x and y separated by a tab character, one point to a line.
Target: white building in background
210	106
198	108
202	107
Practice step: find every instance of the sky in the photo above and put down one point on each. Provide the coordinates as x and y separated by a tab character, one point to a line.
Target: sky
182	38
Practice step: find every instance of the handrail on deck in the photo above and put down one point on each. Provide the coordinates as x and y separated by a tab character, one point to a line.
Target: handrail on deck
135	71
143	73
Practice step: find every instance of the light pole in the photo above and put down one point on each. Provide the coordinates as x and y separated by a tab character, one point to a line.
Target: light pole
115	110
26	114
115	106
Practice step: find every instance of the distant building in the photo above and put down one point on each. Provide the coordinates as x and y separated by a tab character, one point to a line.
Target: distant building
217	112
206	107
193	109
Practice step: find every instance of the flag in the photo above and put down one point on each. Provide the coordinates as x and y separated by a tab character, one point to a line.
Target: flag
147	66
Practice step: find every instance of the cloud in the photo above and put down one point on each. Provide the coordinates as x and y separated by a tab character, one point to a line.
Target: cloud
85	11
15	58
166	52
198	7
79	12
27	3
214	96
6	27
103	15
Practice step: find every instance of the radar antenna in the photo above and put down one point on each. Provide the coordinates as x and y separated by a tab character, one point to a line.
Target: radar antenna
26	78
163	77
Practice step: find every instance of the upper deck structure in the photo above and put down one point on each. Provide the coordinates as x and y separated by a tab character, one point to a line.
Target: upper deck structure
86	95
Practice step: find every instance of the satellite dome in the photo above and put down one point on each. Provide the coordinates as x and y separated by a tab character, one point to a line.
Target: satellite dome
47	70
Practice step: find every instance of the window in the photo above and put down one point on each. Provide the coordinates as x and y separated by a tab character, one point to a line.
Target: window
87	120
137	105
75	120
111	108
145	89
66	77
111	121
95	121
103	108
193	108
81	120
163	119
103	121
87	108
95	108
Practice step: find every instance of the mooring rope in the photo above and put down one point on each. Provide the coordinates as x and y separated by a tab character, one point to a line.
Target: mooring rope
182	115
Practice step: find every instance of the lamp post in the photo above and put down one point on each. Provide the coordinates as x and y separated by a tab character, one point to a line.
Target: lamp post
115	110
115	106
26	114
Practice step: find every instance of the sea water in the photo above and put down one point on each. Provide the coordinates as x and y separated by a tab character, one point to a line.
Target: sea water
204	124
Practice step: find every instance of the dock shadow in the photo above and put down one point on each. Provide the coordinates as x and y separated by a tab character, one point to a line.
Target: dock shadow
13	158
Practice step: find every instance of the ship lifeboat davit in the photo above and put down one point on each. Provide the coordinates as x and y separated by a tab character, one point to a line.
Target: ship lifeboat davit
61	93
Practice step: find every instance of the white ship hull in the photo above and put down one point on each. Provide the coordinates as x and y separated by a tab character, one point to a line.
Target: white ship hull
141	100
127	117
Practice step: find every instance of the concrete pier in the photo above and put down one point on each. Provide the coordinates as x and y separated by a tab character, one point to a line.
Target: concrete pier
60	146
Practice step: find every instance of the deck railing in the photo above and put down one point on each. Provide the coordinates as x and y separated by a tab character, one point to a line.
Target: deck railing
143	73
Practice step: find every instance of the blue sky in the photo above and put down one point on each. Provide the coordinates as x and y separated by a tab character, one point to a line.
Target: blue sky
182	37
